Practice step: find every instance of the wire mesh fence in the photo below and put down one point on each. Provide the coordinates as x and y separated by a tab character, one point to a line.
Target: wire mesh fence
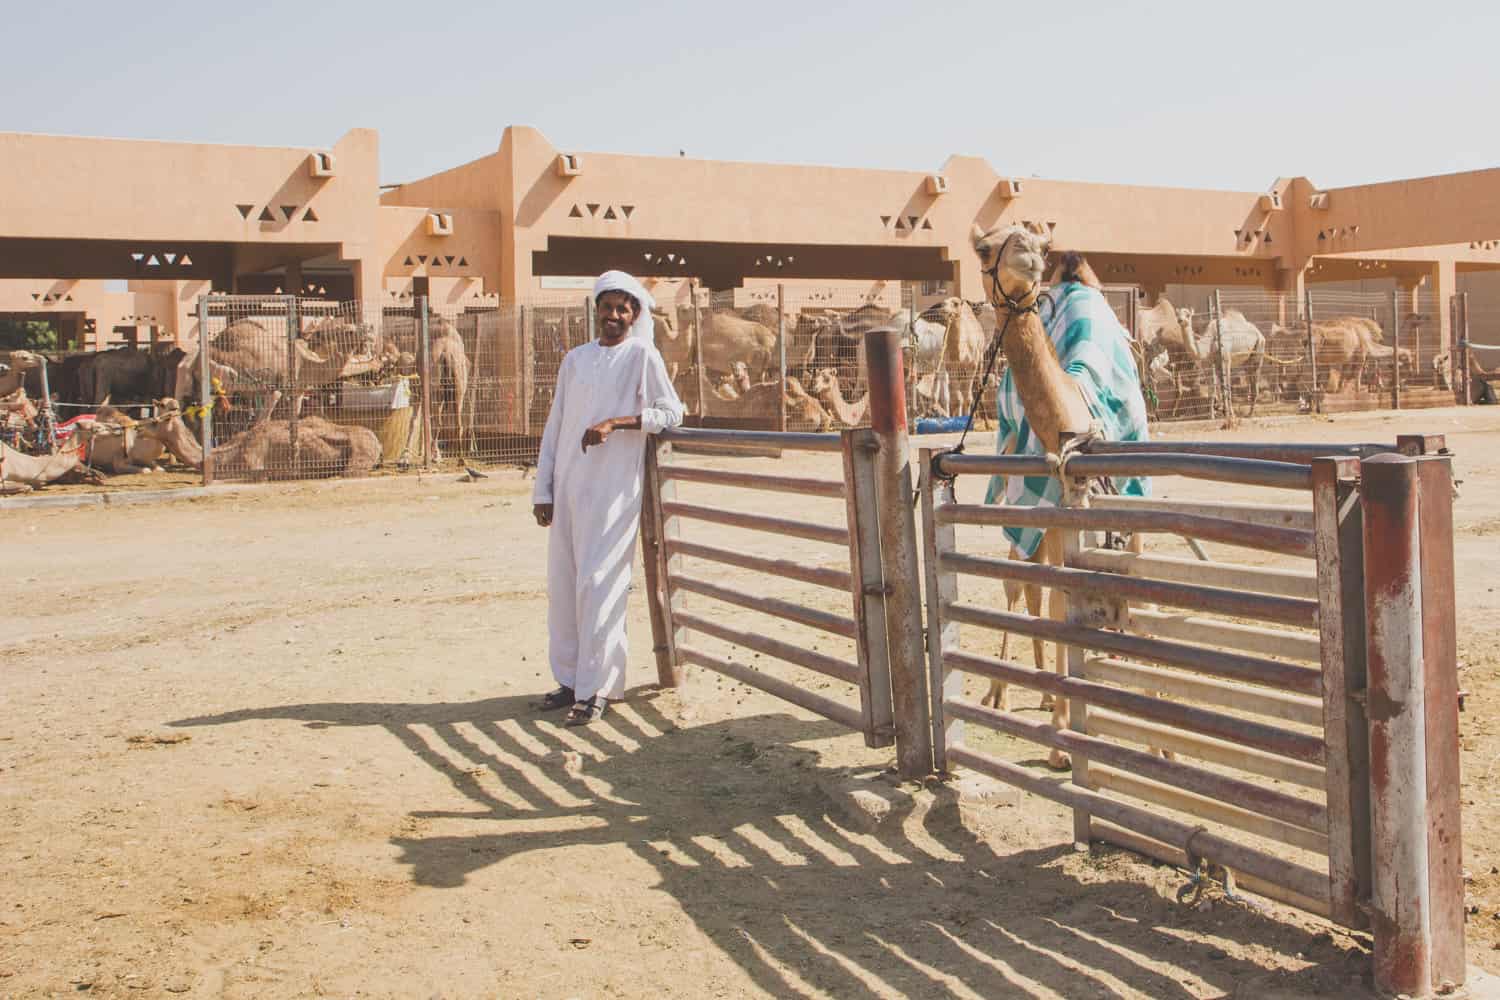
1476	362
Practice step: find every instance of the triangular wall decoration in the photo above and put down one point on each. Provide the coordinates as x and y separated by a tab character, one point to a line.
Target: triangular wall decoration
289	211
885	220
593	208
409	263
449	261
308	215
170	258
627	209
912	221
574	213
245	210
926	223
185	261
266	216
609	213
463	262
421	258
437	261
900	224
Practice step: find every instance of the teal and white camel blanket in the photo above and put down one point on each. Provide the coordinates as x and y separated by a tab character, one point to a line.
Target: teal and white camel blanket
1095	349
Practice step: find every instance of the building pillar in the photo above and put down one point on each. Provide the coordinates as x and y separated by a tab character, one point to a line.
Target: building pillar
1444	278
1291	283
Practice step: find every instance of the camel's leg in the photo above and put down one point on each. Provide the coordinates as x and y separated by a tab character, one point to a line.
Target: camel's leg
1057	608
998	695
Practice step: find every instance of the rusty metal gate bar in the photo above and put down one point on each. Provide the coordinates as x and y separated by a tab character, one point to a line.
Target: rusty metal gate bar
669	581
1366	594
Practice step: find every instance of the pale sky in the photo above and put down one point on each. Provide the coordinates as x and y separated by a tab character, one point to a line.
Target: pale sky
1192	94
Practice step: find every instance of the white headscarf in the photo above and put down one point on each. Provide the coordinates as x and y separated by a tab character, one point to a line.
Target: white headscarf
619	281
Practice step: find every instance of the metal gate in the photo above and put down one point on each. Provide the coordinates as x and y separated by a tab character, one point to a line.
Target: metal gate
831	544
1241	716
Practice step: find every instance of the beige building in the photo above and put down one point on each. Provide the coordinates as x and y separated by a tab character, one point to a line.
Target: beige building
115	239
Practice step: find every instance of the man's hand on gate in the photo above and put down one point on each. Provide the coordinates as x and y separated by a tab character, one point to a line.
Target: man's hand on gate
543	514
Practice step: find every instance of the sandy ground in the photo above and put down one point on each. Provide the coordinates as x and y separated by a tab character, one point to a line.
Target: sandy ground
279	744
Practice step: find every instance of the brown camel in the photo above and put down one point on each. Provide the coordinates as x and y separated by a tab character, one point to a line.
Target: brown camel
800	403
825	387
1013	260
20	473
323	448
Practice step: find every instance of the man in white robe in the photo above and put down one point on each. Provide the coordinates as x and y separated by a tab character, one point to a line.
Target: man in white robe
610	394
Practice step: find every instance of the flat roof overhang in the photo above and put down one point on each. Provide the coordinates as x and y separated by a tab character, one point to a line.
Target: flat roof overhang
153	259
724	265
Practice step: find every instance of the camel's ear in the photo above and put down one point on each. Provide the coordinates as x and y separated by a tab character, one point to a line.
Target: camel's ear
976	235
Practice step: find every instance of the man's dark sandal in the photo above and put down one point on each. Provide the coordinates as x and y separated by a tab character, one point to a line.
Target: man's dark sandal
560	698
585	712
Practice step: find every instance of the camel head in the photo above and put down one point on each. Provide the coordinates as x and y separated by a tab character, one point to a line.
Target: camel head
950	309
24	360
742	376
1013	258
1185	317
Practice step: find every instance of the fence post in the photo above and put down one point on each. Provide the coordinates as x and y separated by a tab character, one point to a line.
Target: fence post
942	635
866	574
1468	352
205	394
424	369
1401	910
1396	349
46	415
781	343
654	560
1315	394
294	389
1076	607
1440	686
1338	536
898	553
698	352
1225	368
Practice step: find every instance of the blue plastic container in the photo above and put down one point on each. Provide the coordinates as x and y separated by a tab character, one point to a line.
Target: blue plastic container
941	425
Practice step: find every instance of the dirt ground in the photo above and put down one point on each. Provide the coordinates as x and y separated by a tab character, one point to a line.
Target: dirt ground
278	743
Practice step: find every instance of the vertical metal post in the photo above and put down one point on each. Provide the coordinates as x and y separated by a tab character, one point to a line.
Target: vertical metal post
1468	352
942	635
1440	688
1315	394
698	354
526	347
48	417
588	323
1075	493
781	349
866	573
1396	349
1401	897
653	559
911	334
1226	367
424	370
205	393
293	374
898	553
1338	536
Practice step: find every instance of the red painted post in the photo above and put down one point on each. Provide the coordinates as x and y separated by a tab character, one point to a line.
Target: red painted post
1401	904
898	554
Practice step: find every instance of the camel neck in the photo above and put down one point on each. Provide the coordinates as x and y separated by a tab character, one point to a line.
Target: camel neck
1048	394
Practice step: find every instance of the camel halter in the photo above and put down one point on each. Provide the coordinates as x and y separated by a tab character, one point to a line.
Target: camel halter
1012	309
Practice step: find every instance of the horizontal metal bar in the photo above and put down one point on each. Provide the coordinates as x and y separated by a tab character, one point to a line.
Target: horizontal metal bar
1105	723
1217	632
993	465
1214	662
819	576
1244	471
1149	847
1206	844
759	522
755	481
830	666
1265	801
811	617
1281	582
1270	515
1300	454
757	440
1245	732
1224	694
846	715
1265	607
1206	808
1214	529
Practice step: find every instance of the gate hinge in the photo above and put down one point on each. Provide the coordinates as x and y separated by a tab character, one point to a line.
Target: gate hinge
1360	697
876	590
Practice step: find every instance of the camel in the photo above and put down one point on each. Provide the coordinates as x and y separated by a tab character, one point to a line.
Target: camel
746	397
674	343
927	373
963	353
802	404
16	367
265	450
1164	328
20	473
1244	347
825	386
726	338
1012	259
122	445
